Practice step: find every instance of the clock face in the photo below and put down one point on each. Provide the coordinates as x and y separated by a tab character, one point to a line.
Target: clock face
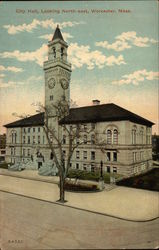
51	83
64	83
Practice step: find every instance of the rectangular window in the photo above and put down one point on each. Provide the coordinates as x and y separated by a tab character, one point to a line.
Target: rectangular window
23	151
64	139
77	154
114	170
108	156
33	139
28	130
29	152
108	169
92	168
28	139
39	129
24	139
51	97
12	151
64	153
24	130
134	156
114	156
70	164
92	155
77	165
33	130
85	167
38	139
85	155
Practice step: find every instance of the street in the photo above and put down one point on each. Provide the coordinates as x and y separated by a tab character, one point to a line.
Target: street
28	223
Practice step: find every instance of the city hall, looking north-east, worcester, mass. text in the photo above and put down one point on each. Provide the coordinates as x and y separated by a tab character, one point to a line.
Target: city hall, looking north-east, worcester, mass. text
126	137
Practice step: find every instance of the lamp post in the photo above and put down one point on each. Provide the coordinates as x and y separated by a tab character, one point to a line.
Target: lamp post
101	169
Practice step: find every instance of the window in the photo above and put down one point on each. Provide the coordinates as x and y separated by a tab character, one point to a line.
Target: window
54	52
70	164
38	139
93	125
85	139
33	139
134	156
134	136
24	139
64	153
85	167
38	129
108	156
23	151
92	155
51	156
114	169
51	97
115	136
85	127
28	139
77	154
34	130
12	151
24	130
142	135
92	168
114	156
109	136
64	139
77	141
28	152
62	52
28	130
85	155
77	165
108	169
14	137
92	139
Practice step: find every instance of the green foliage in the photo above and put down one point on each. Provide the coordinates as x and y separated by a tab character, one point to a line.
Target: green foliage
93	176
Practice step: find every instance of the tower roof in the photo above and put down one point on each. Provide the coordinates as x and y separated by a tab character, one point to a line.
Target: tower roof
57	34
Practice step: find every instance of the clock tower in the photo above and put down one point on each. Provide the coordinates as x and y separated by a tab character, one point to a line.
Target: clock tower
57	72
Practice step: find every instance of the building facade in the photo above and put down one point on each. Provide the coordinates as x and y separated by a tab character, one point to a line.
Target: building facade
117	137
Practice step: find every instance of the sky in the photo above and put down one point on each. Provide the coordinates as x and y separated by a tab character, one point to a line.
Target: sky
113	49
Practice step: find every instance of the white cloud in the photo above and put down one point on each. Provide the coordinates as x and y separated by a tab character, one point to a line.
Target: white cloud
136	77
30	80
48	37
38	55
125	41
48	23
80	55
12	69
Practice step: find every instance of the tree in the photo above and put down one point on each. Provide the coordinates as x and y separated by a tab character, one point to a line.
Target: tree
60	135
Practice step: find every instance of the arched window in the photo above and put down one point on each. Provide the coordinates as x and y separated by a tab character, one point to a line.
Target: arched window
62	52
54	52
134	135
109	136
85	139
115	136
14	137
92	139
142	135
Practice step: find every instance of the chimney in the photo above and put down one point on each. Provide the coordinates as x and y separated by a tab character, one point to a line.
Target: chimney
96	102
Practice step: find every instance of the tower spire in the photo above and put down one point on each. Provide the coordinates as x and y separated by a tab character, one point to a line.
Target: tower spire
57	34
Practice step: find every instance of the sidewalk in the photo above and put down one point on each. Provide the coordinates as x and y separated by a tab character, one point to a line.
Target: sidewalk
121	202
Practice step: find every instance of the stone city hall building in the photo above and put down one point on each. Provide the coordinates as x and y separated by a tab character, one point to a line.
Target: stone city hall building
127	149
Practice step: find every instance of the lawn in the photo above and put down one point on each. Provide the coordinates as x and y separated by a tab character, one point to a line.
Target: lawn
149	181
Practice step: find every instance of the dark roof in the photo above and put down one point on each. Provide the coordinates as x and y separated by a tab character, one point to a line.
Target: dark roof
104	112
34	120
57	34
96	113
